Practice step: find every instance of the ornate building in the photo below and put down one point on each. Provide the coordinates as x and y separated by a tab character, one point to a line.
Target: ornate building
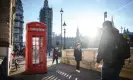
18	27
70	41
78	36
46	16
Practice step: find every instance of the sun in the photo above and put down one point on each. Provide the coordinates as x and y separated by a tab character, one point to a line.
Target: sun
91	32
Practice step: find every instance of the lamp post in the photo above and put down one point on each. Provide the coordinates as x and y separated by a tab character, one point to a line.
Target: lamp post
121	29
105	15
64	35
61	11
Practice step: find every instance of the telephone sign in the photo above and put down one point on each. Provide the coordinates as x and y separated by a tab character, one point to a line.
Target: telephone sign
36	29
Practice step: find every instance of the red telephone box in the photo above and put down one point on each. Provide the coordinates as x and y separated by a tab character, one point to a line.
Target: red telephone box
36	61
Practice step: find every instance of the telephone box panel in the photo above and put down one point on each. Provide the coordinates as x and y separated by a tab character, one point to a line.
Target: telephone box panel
36	61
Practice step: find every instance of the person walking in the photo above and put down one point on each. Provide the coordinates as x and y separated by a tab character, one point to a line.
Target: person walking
78	56
108	51
17	52
55	55
23	52
15	60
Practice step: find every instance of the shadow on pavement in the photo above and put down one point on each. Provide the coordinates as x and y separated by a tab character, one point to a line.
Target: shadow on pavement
60	72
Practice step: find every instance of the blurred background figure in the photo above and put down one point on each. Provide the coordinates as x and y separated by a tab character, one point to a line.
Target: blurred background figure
15	60
23	52
55	54
78	56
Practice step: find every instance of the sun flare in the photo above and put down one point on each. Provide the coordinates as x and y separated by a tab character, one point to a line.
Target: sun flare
91	32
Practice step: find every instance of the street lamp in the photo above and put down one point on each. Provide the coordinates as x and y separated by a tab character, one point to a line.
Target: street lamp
121	29
105	15
61	11
64	35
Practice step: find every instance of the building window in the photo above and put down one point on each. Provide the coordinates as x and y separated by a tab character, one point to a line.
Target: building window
21	17
19	12
17	17
17	24
16	35
16	30
16	38
20	37
21	24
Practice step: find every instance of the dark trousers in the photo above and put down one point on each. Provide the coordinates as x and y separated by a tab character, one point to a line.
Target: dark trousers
56	60
78	65
16	64
111	73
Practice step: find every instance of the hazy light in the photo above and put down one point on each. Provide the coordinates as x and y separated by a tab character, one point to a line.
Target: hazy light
88	25
91	32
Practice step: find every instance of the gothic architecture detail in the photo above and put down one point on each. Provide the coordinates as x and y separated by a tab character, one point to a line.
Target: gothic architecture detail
46	16
78	36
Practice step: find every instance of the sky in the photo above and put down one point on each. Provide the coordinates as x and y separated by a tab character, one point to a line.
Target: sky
87	15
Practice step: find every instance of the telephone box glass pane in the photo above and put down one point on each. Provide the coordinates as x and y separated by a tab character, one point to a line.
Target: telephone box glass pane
33	41
37	43
38	50
41	51
35	50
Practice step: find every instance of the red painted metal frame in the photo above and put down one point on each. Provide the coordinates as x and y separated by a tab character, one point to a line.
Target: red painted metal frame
30	32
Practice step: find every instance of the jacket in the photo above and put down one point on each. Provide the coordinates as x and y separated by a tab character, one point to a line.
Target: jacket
107	46
55	53
78	54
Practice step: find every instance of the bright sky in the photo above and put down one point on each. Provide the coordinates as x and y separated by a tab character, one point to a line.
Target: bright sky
84	14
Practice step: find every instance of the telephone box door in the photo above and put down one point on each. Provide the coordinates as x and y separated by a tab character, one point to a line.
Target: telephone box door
37	53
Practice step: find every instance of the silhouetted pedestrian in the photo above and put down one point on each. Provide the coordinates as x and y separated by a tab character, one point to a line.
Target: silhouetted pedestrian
23	52
78	56
15	61
55	54
110	51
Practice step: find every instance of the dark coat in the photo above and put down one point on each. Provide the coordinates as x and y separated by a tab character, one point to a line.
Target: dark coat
108	48
107	45
55	53
78	54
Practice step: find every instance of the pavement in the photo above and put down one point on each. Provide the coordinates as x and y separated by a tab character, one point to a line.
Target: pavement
56	72
21	62
61	72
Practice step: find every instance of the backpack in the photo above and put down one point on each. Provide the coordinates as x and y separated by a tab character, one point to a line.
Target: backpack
108	45
124	48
